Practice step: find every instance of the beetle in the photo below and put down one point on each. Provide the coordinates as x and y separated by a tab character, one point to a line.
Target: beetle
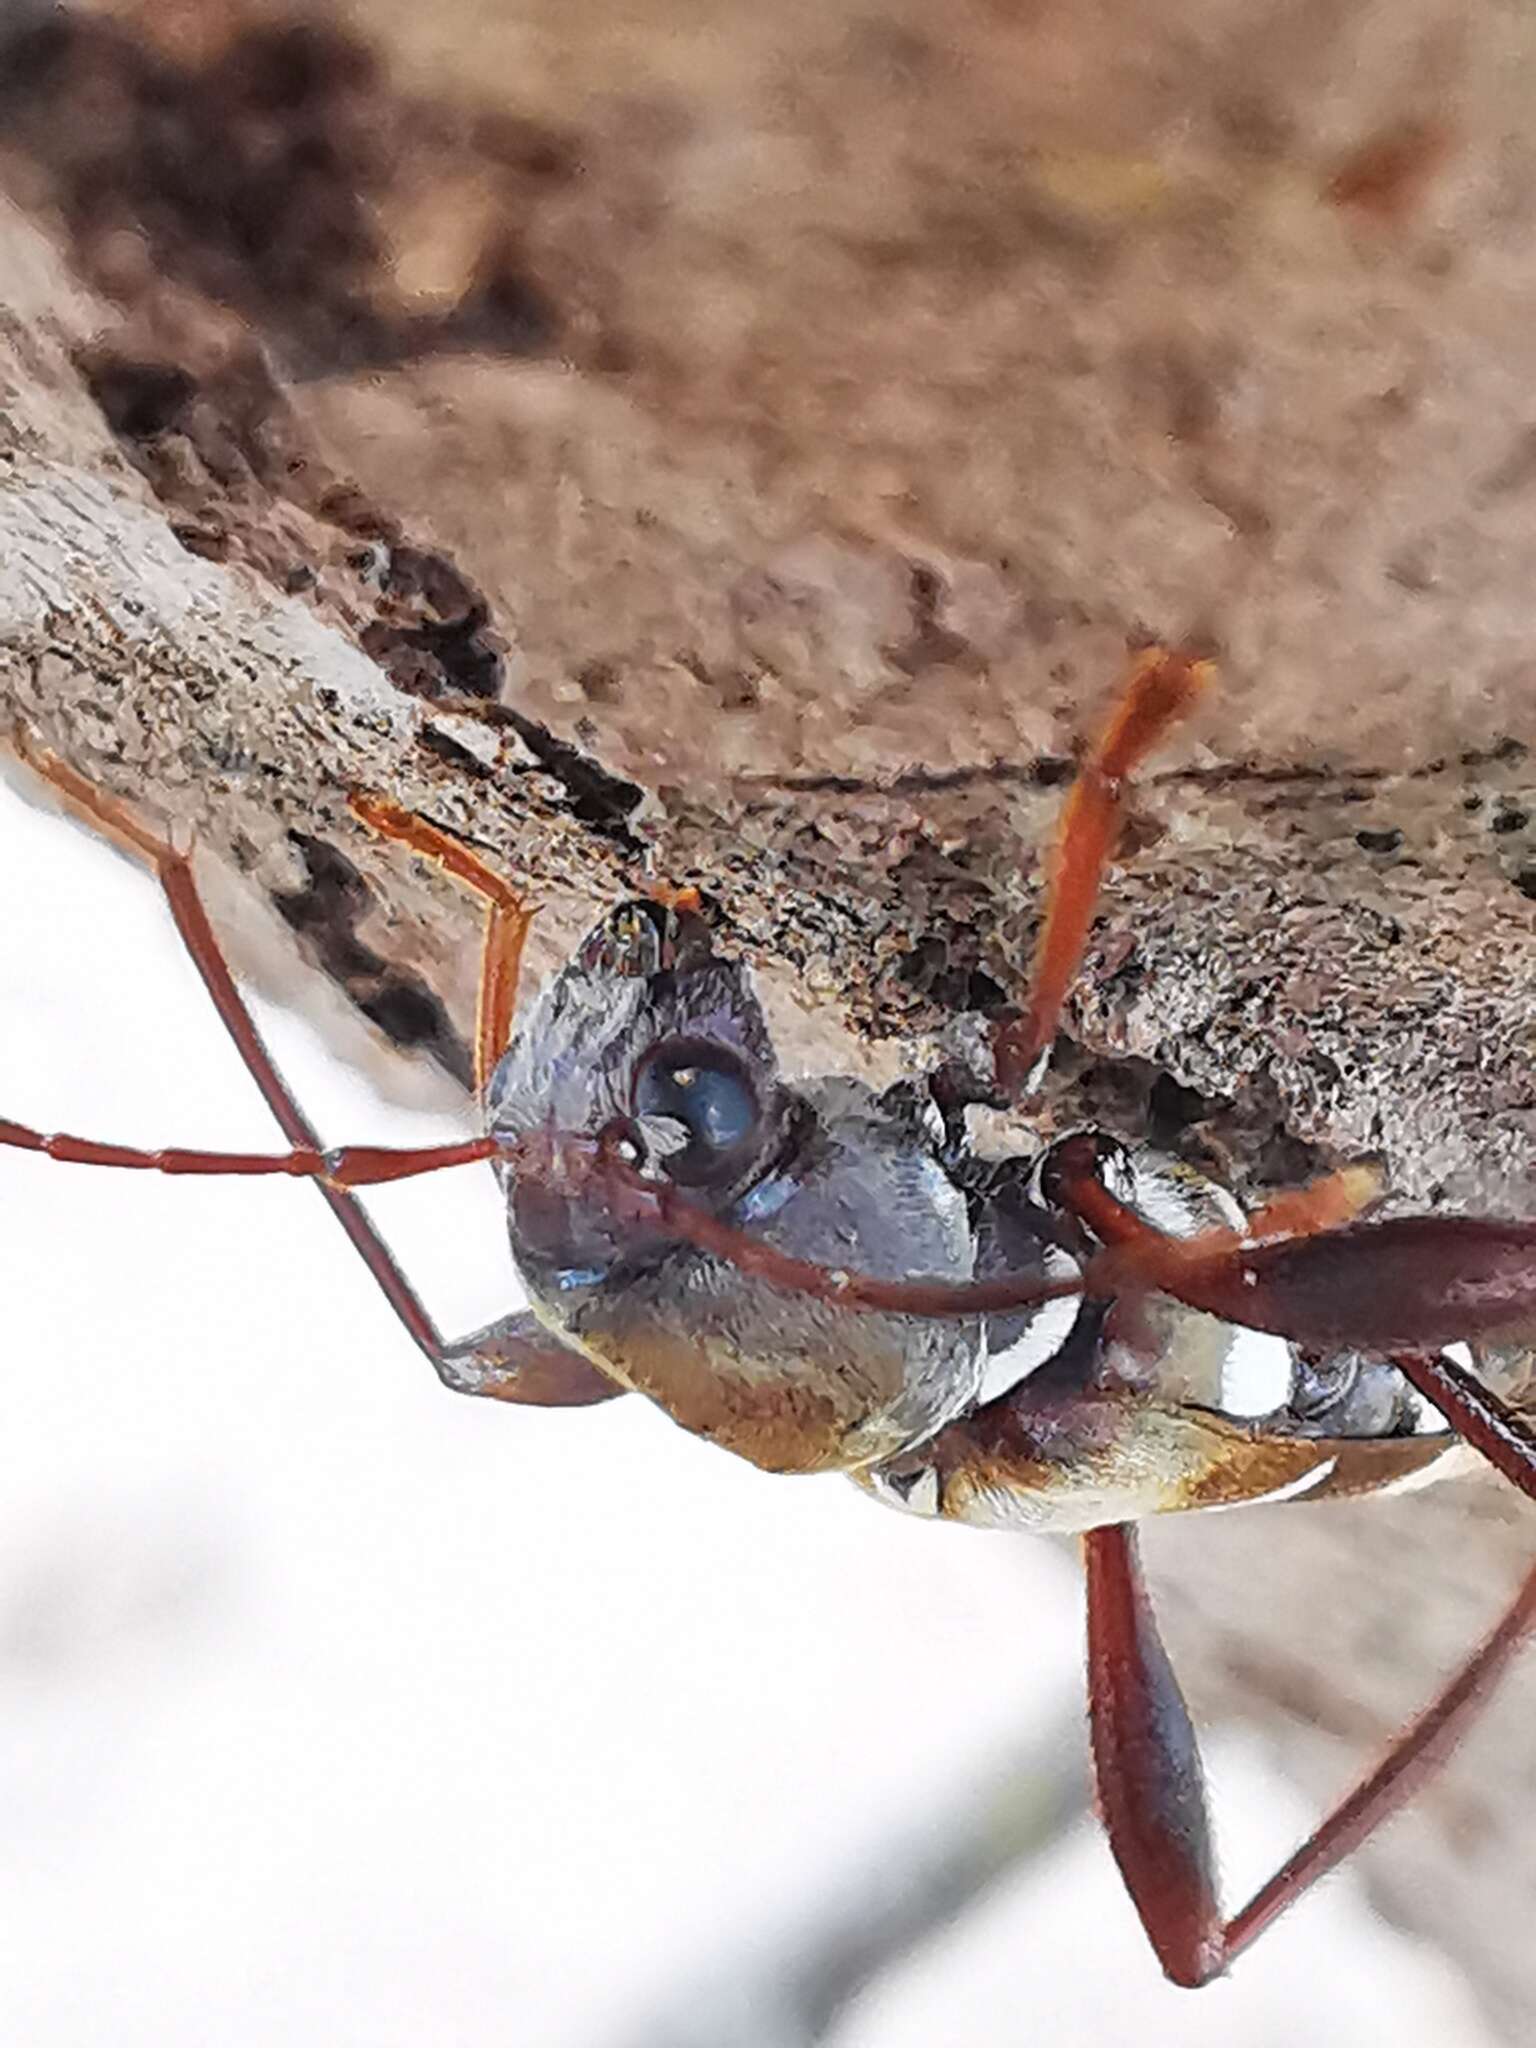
820	1277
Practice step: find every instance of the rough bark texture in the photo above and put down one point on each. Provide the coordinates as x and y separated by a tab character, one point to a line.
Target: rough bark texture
740	449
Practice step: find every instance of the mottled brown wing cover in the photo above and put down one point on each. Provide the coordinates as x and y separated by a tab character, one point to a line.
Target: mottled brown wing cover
1091	1460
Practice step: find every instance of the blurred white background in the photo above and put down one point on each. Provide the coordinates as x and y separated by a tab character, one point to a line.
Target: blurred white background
335	1709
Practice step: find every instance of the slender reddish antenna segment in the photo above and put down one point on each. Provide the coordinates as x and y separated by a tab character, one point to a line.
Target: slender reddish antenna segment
632	1197
1376	1286
1161	689
348	1166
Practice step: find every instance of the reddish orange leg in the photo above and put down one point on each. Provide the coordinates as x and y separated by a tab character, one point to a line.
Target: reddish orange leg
1306	1269
1151	1787
1161	689
507	918
1146	1758
1504	1436
1407	1285
503	1361
1324	1204
1302	1273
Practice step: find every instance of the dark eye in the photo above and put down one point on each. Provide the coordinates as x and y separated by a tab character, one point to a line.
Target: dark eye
704	1093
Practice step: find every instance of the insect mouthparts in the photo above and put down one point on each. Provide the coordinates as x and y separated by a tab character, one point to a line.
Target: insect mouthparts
664	1135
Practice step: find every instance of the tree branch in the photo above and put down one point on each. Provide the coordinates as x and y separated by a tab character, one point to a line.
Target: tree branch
752	475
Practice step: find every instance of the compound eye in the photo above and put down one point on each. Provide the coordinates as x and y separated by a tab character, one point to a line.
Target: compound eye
705	1094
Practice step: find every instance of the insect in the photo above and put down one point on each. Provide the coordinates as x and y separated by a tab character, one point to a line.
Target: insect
820	1277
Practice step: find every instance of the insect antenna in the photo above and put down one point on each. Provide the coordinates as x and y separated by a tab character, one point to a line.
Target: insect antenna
344	1166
